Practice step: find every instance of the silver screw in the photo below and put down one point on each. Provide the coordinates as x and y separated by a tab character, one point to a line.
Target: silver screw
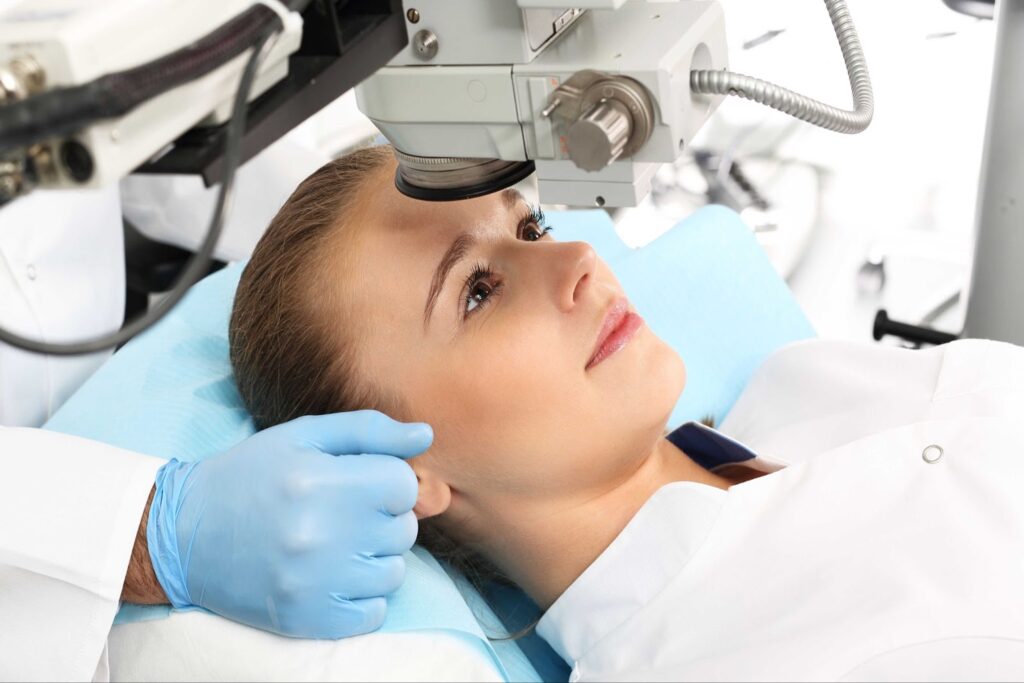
43	161
32	75
413	15
20	78
11	87
9	186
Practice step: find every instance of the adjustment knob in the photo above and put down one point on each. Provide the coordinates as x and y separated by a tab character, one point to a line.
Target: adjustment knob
598	137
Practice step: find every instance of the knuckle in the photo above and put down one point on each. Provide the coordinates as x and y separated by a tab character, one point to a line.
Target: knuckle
411	490
286	431
373	613
304	422
399	533
286	589
394	574
395	471
362	419
411	528
298	484
375	423
300	537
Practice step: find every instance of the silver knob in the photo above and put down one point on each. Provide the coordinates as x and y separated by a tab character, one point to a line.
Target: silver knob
598	137
20	78
425	45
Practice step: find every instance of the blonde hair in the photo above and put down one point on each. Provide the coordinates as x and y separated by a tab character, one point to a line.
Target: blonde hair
289	359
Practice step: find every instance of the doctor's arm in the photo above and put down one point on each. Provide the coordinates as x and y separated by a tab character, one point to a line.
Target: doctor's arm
298	530
141	587
70	509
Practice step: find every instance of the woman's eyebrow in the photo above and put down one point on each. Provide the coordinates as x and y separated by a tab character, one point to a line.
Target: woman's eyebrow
461	246
455	253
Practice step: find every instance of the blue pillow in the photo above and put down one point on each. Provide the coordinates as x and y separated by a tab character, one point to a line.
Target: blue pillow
705	287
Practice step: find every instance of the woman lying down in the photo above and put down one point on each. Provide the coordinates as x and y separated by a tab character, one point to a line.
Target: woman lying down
866	520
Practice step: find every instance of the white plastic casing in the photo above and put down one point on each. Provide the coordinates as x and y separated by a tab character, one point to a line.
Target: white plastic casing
76	41
493	110
478	32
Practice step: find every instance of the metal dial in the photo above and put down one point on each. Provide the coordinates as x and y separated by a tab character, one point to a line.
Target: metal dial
598	137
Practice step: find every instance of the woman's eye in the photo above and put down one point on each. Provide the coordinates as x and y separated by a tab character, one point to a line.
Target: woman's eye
481	286
533	232
478	294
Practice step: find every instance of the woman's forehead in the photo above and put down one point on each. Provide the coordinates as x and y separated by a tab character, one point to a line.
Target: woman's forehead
398	239
416	228
407	215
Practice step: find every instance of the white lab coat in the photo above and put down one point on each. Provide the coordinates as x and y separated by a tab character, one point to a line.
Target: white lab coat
70	509
61	280
869	557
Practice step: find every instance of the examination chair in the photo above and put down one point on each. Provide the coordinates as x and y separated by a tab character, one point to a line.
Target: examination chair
705	286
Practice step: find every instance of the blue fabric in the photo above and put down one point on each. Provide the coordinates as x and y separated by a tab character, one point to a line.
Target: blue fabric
706	287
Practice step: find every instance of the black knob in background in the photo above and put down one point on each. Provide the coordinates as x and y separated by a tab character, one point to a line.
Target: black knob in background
912	333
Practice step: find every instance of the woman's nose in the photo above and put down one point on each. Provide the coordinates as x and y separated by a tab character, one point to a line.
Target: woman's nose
578	263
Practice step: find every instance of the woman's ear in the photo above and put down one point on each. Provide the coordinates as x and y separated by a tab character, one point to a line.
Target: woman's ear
435	495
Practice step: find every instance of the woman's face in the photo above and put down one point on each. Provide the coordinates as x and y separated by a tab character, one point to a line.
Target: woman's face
486	328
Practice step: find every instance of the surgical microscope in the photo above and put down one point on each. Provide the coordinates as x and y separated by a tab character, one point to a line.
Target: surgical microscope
473	96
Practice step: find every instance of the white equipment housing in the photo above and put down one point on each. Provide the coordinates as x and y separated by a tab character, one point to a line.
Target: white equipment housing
476	77
76	41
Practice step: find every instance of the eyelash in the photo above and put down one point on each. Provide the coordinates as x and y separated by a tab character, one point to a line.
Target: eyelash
482	272
537	218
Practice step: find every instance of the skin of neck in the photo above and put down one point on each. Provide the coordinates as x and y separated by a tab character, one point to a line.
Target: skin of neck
544	545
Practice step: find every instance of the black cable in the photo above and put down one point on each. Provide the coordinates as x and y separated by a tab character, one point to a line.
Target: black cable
200	262
64	111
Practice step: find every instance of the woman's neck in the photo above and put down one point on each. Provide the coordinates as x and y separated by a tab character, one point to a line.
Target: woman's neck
546	546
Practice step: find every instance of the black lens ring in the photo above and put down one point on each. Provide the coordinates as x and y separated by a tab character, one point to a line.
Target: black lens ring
449	194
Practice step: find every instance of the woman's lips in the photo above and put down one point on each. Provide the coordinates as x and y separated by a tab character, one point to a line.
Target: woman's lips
619	326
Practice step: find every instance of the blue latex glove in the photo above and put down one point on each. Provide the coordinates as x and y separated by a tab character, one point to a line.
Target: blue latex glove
298	530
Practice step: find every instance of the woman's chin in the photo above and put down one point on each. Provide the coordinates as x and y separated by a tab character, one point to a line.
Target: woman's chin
666	375
652	387
668	383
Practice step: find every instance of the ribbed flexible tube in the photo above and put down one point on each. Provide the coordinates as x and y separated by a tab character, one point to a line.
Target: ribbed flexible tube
802	107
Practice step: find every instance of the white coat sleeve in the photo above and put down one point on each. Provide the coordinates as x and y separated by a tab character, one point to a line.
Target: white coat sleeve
70	510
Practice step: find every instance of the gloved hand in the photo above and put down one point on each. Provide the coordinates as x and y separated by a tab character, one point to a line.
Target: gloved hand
298	530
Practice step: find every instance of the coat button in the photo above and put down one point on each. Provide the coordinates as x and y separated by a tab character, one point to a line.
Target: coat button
931	454
30	271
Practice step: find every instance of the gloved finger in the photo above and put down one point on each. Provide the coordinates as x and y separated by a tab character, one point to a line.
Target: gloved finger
346	617
393	535
396	486
362	431
335	617
371	577
372	483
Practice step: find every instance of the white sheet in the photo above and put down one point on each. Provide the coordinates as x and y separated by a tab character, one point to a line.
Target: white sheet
197	646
